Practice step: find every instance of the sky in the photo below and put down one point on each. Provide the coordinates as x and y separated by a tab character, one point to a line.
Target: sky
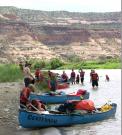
67	5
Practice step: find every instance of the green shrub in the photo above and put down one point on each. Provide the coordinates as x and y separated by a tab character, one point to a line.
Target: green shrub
42	86
55	63
73	58
10	73
39	64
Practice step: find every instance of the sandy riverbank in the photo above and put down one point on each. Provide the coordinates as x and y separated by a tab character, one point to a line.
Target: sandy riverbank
9	100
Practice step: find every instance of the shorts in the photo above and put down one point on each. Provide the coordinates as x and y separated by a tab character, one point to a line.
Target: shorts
22	104
27	81
82	80
72	79
53	85
94	83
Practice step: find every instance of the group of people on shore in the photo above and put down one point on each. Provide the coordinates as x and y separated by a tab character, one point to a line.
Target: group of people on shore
52	77
30	79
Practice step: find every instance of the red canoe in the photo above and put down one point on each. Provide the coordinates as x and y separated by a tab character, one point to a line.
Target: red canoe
62	86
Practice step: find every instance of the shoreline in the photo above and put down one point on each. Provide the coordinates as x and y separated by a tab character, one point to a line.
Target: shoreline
9	102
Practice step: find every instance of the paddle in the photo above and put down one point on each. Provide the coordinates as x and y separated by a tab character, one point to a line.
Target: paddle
46	112
36	108
32	106
22	106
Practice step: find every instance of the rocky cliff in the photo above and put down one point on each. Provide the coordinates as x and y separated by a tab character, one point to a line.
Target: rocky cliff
40	34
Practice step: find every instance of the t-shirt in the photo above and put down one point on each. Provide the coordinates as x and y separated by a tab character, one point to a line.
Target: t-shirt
73	74
82	74
27	73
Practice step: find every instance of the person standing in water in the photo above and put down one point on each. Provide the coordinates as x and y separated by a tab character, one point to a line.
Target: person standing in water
53	82
72	76
77	79
94	79
107	78
64	77
90	75
82	73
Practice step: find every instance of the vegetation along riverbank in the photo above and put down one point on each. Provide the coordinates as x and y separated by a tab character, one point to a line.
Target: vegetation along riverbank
12	72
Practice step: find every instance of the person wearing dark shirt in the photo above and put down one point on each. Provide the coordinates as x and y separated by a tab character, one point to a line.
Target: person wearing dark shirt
90	75
64	77
77	78
50	73
94	79
82	73
72	76
53	82
107	78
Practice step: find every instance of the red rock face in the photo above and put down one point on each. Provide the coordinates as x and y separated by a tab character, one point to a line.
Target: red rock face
19	39
76	36
109	34
65	37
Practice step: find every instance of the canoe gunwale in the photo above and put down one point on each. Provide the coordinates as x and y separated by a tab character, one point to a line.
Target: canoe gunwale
67	114
56	99
29	119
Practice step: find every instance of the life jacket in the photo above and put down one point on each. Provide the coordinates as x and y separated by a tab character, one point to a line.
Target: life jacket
24	95
85	105
82	74
37	73
94	76
64	76
73	74
81	92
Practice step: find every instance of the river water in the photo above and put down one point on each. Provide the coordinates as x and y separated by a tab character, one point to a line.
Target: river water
107	91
